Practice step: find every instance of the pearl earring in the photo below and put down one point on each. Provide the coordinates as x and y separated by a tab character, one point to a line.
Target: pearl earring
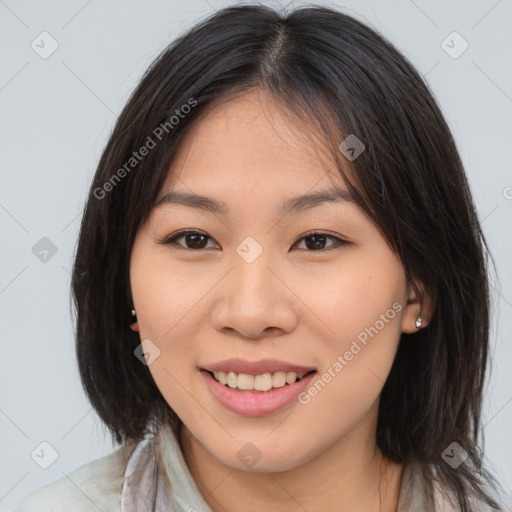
134	313
418	321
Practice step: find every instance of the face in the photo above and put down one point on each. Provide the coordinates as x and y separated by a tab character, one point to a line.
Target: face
265	296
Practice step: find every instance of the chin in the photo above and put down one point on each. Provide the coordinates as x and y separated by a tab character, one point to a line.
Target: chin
259	456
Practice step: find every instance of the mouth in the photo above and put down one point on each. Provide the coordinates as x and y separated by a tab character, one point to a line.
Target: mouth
256	388
257	394
261	383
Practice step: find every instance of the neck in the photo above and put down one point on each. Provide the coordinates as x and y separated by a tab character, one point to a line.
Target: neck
350	476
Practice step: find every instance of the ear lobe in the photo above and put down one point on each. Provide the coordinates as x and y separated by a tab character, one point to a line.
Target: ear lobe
423	305
135	325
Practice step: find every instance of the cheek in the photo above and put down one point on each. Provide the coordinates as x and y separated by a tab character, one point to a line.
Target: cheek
171	300
363	312
168	309
353	372
167	296
357	294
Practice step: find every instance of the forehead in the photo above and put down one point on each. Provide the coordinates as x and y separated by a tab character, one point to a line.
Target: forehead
249	146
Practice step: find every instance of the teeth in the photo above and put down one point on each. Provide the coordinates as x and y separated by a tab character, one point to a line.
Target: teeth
278	379
263	382
291	377
245	381
232	380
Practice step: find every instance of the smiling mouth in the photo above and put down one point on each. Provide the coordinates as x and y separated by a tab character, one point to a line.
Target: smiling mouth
262	383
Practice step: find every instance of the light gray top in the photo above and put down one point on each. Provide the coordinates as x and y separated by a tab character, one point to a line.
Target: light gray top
130	480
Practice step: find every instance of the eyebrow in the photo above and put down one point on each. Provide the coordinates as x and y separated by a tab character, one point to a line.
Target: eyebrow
292	205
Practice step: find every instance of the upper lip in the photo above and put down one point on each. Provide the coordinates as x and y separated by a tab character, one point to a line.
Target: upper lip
256	367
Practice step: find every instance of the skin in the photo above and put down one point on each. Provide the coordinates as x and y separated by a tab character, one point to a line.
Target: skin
293	303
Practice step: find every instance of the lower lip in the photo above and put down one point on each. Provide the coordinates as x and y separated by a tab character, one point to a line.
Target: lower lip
256	404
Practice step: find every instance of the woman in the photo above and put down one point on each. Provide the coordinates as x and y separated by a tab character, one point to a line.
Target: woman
280	283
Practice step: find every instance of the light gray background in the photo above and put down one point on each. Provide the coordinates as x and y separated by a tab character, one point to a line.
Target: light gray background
55	116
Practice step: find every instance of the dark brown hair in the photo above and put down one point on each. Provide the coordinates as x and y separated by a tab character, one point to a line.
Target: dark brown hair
329	71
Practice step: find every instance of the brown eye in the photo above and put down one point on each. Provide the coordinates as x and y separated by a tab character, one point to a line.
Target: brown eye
316	241
194	240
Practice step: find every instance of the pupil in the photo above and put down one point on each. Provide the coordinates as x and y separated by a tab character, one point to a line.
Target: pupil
318	241
195	244
315	245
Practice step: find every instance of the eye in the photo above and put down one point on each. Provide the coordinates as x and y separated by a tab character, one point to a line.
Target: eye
196	240
318	239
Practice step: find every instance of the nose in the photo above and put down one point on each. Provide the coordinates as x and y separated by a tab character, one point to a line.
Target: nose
254	301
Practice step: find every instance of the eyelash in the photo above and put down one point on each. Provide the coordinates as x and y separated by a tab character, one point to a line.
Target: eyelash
172	240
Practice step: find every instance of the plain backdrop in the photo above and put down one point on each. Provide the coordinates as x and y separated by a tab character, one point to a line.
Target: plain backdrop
56	112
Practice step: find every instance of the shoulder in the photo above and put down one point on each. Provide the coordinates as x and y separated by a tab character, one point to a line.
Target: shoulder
420	492
445	502
94	486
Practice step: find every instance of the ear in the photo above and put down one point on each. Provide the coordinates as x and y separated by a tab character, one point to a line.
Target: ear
423	304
